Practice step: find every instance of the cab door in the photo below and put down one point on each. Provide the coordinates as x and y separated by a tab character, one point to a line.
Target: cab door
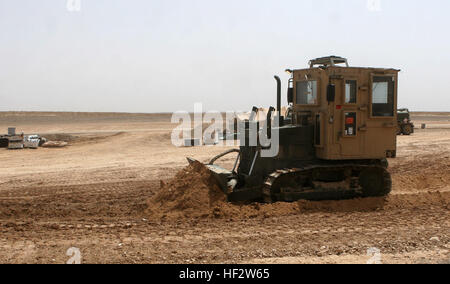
382	119
349	120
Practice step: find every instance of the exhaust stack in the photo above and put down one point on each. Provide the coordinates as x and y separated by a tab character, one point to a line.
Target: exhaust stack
279	99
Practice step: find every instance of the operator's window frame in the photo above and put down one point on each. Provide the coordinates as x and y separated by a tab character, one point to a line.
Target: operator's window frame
317	91
355	124
344	99
390	93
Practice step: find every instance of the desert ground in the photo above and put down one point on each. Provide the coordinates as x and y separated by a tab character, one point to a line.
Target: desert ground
94	195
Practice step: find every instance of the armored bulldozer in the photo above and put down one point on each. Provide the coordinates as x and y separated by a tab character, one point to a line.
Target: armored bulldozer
334	143
404	124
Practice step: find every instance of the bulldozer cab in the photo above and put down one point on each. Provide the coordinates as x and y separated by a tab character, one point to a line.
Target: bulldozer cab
353	109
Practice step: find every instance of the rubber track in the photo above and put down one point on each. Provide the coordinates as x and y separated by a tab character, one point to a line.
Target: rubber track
331	194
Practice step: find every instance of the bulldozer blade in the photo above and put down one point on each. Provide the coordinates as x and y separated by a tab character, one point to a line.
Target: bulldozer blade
221	175
191	161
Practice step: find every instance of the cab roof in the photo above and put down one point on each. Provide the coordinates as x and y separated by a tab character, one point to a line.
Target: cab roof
333	61
328	61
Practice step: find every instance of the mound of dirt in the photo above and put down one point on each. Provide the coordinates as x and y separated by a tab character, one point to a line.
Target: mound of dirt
82	138
419	200
60	137
192	193
55	144
421	174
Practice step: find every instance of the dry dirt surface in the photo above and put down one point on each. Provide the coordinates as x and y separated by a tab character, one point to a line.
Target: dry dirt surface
121	193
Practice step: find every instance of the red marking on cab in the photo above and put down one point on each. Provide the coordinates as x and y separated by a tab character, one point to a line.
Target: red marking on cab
349	120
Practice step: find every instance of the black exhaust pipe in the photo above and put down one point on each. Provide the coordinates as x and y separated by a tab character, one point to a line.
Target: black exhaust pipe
269	122
279	99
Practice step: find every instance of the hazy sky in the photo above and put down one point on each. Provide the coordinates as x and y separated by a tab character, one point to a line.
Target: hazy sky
165	55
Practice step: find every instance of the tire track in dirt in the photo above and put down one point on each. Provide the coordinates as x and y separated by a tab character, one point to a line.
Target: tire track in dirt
77	201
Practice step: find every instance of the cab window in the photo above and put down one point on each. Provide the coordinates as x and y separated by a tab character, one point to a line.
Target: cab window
383	96
350	92
306	93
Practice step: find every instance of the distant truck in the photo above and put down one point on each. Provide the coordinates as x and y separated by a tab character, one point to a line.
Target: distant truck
405	125
33	141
